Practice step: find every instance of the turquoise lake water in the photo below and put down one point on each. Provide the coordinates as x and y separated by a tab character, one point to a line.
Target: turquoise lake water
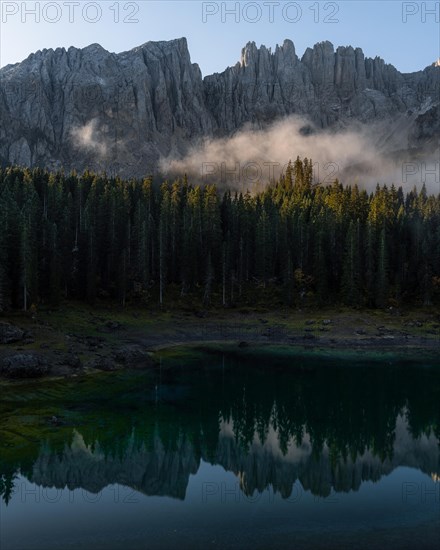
224	450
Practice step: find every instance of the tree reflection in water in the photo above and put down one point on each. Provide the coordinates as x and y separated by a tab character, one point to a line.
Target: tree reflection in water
270	422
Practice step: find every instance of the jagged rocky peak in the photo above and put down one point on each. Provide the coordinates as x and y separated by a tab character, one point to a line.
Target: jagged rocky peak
288	48
325	46
320	53
252	55
321	62
179	45
92	108
94	49
248	54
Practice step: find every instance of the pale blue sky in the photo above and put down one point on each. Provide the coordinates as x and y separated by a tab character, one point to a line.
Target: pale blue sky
406	34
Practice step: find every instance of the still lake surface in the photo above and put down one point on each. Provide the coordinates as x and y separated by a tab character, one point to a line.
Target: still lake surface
224	449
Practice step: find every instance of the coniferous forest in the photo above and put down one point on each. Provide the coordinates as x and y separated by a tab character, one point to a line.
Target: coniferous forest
93	237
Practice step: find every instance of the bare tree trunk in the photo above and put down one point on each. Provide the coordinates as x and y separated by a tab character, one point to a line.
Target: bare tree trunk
25	293
207	296
224	275
232	288
161	265
124	275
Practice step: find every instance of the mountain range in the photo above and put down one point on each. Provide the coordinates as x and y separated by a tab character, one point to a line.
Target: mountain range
89	108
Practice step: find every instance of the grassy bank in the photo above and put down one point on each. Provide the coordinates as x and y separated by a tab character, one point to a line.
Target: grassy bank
97	332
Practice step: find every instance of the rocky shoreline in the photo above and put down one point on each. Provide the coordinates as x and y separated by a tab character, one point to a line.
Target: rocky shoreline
42	350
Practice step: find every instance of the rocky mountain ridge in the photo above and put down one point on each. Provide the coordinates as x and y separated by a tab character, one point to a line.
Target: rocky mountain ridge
80	108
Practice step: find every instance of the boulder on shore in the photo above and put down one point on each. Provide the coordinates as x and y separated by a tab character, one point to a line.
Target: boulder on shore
132	355
24	365
10	334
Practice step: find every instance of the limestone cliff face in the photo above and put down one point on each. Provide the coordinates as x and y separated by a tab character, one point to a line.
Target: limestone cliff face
88	107
330	87
122	112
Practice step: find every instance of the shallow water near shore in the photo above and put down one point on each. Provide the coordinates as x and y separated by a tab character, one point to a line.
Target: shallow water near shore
224	448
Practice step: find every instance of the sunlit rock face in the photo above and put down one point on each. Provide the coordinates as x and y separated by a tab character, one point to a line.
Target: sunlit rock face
80	108
155	468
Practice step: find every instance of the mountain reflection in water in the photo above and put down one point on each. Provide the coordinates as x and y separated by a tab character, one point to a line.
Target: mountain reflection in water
328	426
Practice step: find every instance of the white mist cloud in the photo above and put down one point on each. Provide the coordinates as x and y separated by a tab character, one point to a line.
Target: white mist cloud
90	138
251	158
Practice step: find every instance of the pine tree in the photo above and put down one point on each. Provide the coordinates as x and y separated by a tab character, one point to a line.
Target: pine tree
26	258
89	235
164	225
298	172
320	264
350	286
4	263
55	275
382	271
212	238
370	264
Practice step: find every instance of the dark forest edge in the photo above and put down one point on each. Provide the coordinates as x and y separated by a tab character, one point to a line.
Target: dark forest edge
93	237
